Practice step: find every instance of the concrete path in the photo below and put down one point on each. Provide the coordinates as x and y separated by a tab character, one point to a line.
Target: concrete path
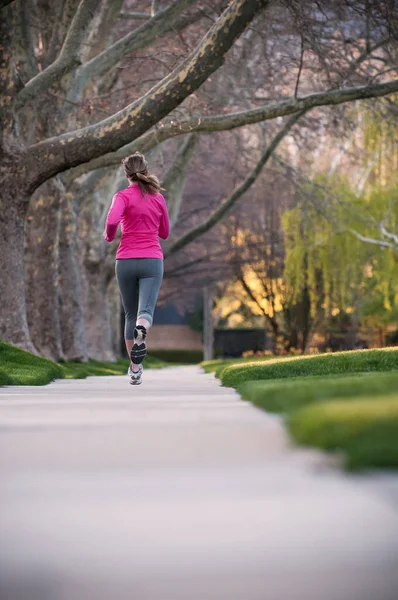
178	490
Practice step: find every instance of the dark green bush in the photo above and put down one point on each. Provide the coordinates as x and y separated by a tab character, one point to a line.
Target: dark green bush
179	356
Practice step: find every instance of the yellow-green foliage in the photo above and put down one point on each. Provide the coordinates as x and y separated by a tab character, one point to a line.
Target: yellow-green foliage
339	269
379	142
322	251
321	256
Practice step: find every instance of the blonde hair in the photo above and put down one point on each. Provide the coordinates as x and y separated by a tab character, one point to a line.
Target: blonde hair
136	169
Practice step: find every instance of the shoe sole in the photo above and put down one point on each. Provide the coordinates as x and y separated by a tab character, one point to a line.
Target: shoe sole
135	382
138	353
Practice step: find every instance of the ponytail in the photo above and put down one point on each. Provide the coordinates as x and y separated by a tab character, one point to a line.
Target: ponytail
149	184
136	169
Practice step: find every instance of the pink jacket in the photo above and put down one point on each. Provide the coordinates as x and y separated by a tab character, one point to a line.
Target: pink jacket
143	220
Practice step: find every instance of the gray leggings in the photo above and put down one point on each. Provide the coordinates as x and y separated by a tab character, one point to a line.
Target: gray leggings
139	282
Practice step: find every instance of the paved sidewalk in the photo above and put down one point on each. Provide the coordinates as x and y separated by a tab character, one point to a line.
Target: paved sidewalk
178	490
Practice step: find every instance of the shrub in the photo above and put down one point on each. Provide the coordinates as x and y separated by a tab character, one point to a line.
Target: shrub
355	361
179	356
366	430
285	395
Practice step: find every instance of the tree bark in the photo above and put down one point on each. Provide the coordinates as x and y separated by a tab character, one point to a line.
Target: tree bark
59	153
14	199
69	57
208	329
97	267
71	301
226	122
13	324
42	285
97	313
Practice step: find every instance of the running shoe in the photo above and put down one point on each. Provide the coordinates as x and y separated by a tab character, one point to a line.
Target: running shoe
136	377
130	370
138	351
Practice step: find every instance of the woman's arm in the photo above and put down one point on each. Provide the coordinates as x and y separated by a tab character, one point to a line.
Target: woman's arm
114	216
164	225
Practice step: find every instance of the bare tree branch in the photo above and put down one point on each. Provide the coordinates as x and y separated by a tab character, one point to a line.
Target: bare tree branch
57	154
136	39
63	16
69	57
327	214
237	119
300	65
217	215
101	31
372	240
389	235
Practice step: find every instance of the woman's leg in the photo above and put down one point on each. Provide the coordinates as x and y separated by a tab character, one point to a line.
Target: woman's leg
149	281
126	275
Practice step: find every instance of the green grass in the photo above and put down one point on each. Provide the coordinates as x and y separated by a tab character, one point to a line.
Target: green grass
76	370
344	402
286	395
217	365
18	367
356	361
366	430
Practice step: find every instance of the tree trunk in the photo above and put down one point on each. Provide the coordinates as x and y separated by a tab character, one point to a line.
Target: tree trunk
307	321
291	332
14	324
71	301
97	265
97	313
208	330
42	270
114	303
275	334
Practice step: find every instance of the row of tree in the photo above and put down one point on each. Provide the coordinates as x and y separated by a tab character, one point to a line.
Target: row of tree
103	100
314	263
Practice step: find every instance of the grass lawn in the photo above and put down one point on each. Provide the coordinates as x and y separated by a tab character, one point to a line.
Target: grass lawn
18	367
286	395
344	402
76	370
366	429
219	364
336	363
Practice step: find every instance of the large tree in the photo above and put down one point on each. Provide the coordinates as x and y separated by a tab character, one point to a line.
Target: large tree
31	159
30	165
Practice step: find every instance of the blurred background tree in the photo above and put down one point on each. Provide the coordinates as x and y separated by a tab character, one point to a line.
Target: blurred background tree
281	186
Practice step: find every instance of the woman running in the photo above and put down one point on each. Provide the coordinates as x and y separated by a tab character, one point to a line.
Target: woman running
141	209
